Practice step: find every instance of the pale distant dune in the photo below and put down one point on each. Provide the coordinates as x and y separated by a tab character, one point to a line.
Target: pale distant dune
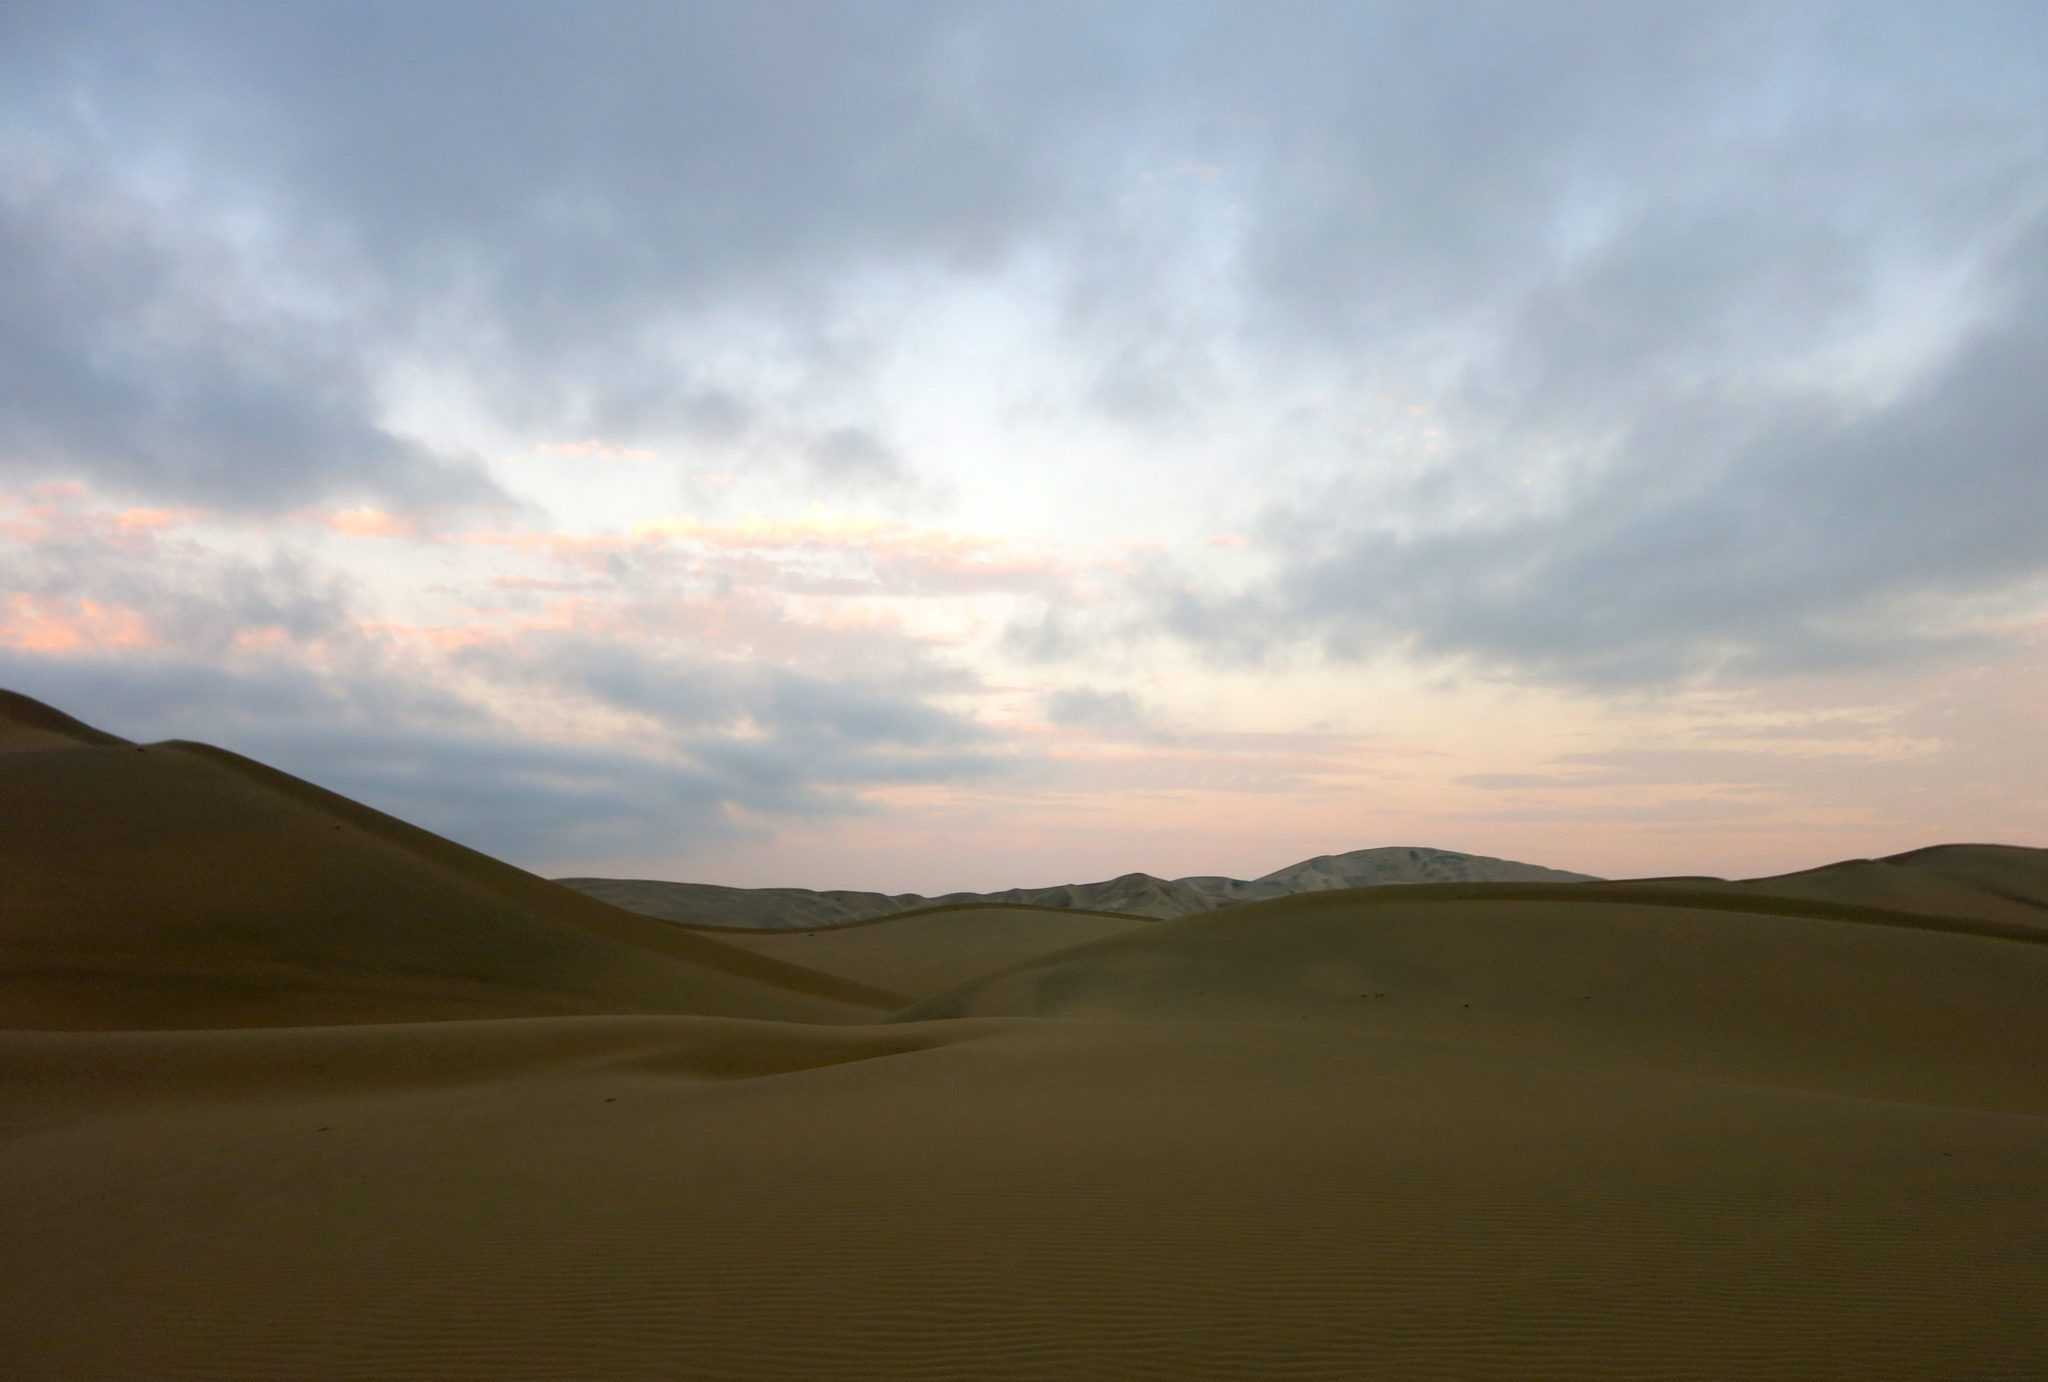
1131	894
1794	1127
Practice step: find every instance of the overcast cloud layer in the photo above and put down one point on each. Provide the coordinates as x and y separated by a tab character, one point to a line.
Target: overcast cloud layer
761	442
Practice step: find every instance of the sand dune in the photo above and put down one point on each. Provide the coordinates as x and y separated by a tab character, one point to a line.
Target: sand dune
27	725
179	885
1130	894
1457	1130
1995	882
1755	995
929	951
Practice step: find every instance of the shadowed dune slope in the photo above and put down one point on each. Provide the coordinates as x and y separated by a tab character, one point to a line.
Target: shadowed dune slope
929	951
2002	883
2012	873
181	885
1885	1006
27	724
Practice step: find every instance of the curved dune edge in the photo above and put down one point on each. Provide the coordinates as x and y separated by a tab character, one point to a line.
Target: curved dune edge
1839	1000
1615	894
1664	895
179	885
595	917
27	723
1024	909
935	949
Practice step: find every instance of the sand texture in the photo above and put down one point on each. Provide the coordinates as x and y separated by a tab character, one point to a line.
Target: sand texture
289	1089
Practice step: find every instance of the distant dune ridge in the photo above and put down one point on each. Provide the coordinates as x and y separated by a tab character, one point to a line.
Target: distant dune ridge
291	1089
1132	894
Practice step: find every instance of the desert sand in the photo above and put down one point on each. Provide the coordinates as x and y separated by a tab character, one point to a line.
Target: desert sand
290	1089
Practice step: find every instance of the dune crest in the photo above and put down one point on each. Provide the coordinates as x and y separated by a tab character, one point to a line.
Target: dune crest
1130	894
181	885
27	724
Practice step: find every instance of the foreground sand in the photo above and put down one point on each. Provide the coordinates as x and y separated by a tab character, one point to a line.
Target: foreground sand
1663	1131
673	1197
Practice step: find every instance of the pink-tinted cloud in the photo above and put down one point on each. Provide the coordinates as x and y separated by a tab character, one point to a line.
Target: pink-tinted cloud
47	625
150	520
368	522
69	512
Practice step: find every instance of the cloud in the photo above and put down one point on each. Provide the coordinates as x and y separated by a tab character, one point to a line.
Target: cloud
1786	533
140	351
1590	344
854	455
68	555
234	252
1114	713
426	757
409	739
595	730
558	250
817	554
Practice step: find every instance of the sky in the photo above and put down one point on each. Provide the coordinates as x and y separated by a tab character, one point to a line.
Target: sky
931	446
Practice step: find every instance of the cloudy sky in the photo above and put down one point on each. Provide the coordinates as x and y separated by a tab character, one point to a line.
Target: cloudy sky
927	446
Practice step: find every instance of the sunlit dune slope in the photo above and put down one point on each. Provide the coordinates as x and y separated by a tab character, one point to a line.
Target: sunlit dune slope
180	885
929	951
1886	1005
